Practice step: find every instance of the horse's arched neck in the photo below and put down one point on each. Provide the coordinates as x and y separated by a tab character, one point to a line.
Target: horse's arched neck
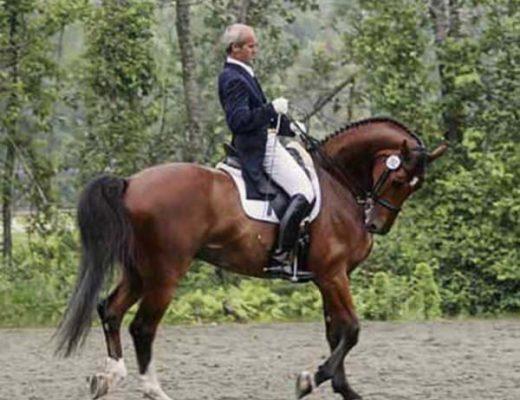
354	149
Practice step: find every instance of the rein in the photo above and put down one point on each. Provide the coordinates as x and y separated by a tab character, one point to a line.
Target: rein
365	198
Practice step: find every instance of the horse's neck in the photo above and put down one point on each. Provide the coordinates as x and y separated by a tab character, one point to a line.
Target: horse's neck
353	150
346	215
361	144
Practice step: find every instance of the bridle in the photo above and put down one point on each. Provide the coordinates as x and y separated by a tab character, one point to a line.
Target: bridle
365	198
393	163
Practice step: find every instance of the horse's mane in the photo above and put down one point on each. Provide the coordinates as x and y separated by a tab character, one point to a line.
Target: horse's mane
371	120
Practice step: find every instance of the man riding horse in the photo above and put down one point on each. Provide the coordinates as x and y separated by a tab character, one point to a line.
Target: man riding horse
154	223
249	116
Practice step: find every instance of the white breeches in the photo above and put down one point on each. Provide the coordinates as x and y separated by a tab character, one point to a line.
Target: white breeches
285	171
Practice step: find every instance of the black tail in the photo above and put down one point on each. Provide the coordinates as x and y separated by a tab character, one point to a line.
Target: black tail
106	238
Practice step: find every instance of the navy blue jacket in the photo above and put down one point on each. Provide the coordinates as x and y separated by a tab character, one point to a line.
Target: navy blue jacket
248	116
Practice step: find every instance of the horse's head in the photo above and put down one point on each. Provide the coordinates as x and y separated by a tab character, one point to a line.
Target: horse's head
396	175
381	162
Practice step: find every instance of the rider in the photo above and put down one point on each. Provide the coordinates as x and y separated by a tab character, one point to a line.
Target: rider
249	115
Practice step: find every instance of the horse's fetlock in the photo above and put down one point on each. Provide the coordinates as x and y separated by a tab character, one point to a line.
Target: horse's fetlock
339	387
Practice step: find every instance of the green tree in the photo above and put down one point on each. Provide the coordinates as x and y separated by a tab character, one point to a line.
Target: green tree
389	41
425	300
28	73
462	220
119	80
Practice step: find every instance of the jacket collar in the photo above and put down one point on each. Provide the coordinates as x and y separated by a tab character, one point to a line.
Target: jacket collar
248	68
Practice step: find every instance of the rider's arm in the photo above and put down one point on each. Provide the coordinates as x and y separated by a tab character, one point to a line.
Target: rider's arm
240	117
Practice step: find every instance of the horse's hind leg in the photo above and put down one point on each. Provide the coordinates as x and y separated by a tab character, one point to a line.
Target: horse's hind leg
111	311
342	334
153	305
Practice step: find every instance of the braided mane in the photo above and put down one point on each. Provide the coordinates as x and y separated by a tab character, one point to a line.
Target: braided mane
371	120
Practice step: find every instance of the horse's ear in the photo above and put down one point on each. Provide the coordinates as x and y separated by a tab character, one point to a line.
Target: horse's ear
439	151
405	150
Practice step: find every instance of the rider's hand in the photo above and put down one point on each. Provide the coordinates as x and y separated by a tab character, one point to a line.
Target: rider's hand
298	127
280	105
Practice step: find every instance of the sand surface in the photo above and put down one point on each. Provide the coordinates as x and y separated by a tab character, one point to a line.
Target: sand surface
470	360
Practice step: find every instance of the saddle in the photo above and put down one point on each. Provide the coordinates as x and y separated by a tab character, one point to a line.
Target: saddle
266	191
268	201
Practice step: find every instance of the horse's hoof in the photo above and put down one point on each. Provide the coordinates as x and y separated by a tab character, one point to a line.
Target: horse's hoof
99	385
156	396
304	384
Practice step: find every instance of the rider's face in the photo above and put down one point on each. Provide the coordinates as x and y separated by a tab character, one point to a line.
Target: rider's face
246	52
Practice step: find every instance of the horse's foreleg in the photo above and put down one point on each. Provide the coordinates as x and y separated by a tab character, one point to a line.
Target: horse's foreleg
143	329
342	334
111	312
341	385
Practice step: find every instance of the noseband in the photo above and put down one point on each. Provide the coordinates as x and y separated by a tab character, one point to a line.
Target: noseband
392	163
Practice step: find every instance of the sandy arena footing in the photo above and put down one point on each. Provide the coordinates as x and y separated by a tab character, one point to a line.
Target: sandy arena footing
455	360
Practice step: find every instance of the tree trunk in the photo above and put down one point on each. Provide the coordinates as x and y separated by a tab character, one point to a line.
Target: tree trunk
446	21
9	162
454	7
240	10
7	198
192	99
439	14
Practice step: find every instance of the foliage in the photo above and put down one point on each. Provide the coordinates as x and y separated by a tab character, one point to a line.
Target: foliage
425	301
387	296
383	298
28	76
200	298
35	290
397	74
119	80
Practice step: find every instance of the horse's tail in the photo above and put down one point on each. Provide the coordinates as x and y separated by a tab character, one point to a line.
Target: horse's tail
106	238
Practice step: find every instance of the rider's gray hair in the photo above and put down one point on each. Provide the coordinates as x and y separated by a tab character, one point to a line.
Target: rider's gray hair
234	34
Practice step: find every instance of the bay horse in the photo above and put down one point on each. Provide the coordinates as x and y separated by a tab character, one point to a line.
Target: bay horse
153	224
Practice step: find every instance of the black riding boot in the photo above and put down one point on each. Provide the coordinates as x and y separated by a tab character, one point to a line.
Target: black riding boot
281	262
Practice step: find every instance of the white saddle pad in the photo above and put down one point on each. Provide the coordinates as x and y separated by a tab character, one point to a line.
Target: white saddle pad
259	209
